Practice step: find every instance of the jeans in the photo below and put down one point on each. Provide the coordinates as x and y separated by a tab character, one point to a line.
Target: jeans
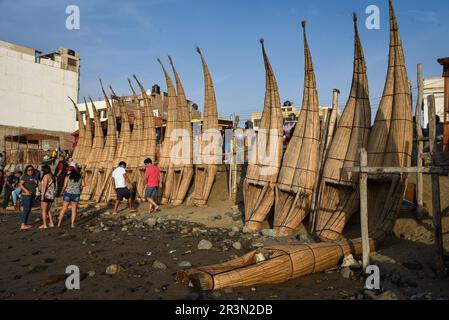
7	196
16	194
27	202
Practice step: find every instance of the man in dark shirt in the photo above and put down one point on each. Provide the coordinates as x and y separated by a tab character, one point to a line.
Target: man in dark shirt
12	182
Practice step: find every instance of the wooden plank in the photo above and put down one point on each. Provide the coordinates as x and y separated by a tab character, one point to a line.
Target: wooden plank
397	170
420	145
436	206
364	209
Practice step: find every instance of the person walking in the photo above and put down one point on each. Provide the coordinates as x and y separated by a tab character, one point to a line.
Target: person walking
60	173
73	185
28	186
152	182
119	181
48	190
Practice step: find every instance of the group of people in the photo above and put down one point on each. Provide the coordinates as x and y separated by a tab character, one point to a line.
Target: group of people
28	187
121	181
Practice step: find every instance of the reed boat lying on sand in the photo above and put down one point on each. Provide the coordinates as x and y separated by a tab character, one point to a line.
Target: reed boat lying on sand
339	190
299	168
391	140
261	176
205	172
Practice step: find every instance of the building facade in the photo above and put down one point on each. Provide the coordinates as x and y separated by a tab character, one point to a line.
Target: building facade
435	86
34	88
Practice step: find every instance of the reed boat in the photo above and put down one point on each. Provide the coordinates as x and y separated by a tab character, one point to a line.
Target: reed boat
167	144
180	172
107	158
79	151
205	172
278	264
95	153
147	148
391	139
299	168
339	190
262	174
124	139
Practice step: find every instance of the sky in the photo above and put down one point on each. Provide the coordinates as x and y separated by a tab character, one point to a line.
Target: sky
117	39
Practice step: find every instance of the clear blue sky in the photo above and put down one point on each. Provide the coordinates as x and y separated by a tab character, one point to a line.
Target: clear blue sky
118	39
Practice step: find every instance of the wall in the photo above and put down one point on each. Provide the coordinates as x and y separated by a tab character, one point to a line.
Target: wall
434	86
34	95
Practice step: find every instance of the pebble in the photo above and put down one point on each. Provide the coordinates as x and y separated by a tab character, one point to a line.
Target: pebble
158	265
235	229
257	244
237	245
204	245
113	269
268	233
151	222
350	262
91	273
184	264
347	273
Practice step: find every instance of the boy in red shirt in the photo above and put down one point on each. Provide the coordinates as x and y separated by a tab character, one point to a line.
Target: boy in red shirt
153	181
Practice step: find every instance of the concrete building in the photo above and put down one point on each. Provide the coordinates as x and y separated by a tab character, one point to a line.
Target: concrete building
289	112
33	91
435	86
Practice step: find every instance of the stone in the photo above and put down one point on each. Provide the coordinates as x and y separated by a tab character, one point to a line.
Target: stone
91	273
347	273
151	222
422	296
184	264
390	295
257	244
204	245
113	269
237	245
158	265
268	233
235	229
350	262
259	257
236	216
231	234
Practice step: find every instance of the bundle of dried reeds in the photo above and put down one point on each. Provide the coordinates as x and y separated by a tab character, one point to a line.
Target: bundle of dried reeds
300	165
205	172
93	159
78	152
180	172
261	177
339	191
391	138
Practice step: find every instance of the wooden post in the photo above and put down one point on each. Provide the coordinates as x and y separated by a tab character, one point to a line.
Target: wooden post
364	208
420	145
436	206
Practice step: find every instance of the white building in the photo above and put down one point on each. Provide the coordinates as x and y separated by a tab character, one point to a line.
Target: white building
34	88
434	86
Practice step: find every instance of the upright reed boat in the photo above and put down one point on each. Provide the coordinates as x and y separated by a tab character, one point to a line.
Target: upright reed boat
262	174
205	172
300	165
285	262
180	172
339	190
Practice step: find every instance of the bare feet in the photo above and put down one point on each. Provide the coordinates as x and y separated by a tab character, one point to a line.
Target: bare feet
51	225
43	227
132	210
72	226
25	227
115	213
157	209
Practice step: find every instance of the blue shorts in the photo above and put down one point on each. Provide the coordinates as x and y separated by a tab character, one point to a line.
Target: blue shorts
70	197
150	192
